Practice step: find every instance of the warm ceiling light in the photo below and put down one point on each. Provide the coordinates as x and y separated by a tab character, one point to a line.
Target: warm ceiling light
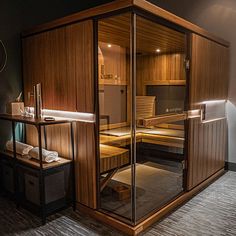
109	45
158	50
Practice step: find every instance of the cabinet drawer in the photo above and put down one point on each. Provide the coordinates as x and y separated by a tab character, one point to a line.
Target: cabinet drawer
32	188
54	187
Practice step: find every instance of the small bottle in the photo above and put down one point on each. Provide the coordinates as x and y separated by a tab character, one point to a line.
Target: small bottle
37	101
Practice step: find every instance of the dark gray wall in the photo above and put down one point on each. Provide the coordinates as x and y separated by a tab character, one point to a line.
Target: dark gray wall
217	16
38	12
10	78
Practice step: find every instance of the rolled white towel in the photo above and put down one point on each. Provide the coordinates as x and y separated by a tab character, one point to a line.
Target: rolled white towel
21	148
48	156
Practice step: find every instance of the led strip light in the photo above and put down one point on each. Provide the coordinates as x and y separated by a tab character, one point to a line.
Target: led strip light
76	116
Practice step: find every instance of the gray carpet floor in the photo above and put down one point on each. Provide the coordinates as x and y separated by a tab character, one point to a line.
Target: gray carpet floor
212	212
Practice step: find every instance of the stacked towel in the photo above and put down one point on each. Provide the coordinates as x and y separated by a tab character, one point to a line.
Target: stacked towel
47	156
21	148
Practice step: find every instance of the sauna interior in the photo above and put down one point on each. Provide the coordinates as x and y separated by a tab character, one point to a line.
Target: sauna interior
149	142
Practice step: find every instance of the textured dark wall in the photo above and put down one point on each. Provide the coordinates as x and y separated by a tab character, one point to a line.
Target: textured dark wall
38	12
10	78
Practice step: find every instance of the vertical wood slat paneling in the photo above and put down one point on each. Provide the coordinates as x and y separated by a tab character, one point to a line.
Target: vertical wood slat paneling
33	61
207	150
160	69
80	54
86	165
62	60
210	71
80	38
45	61
209	81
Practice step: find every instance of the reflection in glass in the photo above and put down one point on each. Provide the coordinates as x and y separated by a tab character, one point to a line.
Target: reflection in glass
114	107
160	101
159	105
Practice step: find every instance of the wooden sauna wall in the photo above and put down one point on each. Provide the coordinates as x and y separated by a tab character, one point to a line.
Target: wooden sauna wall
209	81
62	60
165	69
113	61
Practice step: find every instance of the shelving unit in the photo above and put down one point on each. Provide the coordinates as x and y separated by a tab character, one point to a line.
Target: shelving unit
40	175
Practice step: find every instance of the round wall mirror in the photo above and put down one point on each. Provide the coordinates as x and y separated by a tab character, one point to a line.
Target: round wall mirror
3	56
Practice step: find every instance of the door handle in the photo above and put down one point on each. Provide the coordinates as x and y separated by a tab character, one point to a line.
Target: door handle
192	114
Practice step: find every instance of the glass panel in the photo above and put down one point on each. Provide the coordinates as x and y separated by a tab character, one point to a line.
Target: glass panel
115	121
160	117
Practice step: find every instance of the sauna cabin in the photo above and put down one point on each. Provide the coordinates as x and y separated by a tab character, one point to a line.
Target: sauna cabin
156	86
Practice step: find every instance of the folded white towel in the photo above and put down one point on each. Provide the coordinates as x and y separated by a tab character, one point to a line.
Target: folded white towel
21	148
47	156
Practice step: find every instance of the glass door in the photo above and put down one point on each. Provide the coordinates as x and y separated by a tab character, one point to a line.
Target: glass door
142	99
115	116
160	115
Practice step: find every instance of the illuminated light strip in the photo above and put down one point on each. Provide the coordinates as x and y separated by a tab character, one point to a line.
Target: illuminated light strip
213	101
76	116
212	120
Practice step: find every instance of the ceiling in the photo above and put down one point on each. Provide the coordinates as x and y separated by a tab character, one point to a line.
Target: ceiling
150	35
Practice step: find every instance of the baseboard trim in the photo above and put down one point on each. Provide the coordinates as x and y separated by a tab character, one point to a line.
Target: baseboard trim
230	166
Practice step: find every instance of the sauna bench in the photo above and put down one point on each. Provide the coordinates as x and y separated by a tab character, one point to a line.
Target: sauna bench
111	160
160	136
112	157
34	163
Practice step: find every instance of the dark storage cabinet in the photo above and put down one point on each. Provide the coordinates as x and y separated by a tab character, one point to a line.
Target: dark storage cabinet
7	176
26	188
58	187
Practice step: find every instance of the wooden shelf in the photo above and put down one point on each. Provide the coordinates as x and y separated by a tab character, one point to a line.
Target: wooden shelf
165	82
32	121
112	82
35	163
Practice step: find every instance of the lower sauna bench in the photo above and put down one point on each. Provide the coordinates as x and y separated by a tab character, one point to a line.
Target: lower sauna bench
112	158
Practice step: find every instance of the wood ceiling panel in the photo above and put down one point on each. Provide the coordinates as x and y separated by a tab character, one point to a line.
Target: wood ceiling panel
150	35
